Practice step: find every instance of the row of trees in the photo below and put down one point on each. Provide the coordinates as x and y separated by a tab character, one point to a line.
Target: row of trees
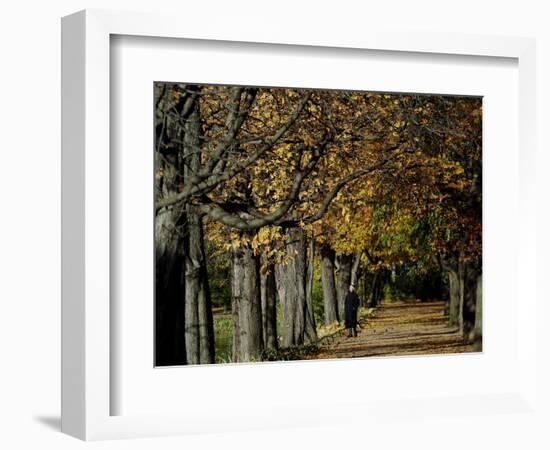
363	182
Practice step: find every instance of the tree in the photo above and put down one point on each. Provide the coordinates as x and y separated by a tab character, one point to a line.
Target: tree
329	284
269	307
428	207
294	135
170	230
343	280
246	304
365	174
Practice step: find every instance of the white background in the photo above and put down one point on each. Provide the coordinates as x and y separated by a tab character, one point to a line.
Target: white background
29	234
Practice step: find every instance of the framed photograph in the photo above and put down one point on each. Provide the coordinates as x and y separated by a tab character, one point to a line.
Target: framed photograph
260	226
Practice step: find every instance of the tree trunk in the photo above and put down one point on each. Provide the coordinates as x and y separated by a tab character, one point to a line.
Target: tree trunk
311	328
456	296
269	308
374	290
377	288
236	341
199	330
471	273
247	305
199	323
329	285
364	296
355	269
291	286
356	274
478	327
343	280
169	289
170	230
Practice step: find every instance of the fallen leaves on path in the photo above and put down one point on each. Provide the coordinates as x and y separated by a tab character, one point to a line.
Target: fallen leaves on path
399	328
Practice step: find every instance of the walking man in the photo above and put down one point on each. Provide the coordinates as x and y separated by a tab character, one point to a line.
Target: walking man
350	312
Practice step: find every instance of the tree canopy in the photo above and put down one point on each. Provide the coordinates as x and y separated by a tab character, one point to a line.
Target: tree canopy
383	180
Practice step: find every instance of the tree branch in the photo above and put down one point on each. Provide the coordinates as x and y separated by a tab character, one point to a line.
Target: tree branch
343	182
213	180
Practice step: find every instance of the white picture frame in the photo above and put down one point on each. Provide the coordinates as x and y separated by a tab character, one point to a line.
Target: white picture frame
86	326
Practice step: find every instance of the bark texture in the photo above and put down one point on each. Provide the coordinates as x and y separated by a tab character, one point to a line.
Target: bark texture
478	328
356	269
291	286
247	305
311	328
199	330
329	284
170	231
377	288
471	274
456	296
269	308
169	289
343	280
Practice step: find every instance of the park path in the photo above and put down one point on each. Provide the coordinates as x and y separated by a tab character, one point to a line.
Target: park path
398	328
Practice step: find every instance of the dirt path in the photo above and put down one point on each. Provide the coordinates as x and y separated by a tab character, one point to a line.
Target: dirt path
399	328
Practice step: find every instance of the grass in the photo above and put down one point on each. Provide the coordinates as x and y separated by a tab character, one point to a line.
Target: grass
223	337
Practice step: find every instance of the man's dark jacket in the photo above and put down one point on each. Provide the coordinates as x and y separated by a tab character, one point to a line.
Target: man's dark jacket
350	309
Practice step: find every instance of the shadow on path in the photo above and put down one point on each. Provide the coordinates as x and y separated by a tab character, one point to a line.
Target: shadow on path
397	329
